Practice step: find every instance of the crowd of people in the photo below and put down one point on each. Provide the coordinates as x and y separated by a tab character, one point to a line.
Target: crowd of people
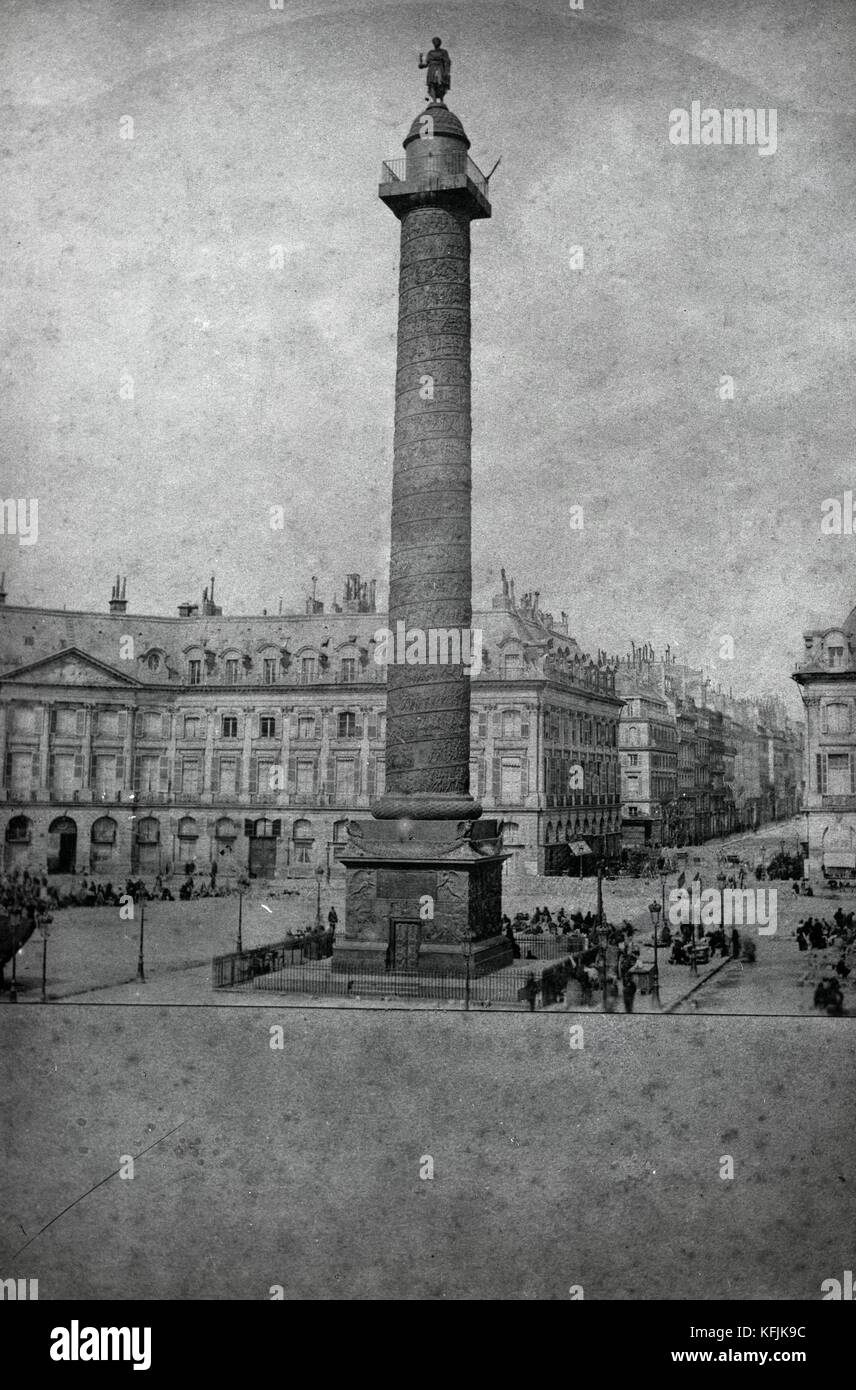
838	935
600	958
24	905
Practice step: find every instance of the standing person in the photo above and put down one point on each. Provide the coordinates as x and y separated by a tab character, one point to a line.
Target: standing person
610	995
332	919
530	991
213	874
735	943
629	991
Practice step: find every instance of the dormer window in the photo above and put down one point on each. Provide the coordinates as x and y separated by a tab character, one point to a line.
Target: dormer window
836	656
512	665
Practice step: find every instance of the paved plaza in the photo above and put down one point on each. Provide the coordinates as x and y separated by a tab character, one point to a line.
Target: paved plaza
300	1167
93	952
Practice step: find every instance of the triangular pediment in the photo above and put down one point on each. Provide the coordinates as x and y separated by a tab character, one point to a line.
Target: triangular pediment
68	667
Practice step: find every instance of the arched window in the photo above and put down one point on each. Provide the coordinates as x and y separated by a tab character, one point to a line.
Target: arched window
102	843
188	829
104	831
148	830
19	831
303	841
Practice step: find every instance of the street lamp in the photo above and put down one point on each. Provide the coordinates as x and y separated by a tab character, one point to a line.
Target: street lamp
319	874
141	974
45	934
13	985
654	909
467	956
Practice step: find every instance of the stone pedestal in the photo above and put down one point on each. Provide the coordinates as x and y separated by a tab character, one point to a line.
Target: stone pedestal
422	897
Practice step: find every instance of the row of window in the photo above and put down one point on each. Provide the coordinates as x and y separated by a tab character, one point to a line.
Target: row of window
662	735
307	669
575	730
68	721
154	774
71	722
147	831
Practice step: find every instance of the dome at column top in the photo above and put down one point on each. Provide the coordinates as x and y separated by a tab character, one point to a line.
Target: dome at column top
445	123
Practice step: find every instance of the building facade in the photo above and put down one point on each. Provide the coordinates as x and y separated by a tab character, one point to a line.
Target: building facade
648	739
827	681
701	763
145	744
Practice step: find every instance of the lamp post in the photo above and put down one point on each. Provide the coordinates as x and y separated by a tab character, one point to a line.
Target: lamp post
654	909
141	974
13	984
599	894
467	955
663	876
319	874
45	934
240	920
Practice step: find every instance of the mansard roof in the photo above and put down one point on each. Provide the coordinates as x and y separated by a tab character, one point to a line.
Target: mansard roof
41	634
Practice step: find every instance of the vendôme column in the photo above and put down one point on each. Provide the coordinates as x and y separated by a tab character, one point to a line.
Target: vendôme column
432	647
424	877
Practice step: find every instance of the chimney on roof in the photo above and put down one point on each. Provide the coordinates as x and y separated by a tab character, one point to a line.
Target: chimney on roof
118	602
314	605
359	595
188	610
209	607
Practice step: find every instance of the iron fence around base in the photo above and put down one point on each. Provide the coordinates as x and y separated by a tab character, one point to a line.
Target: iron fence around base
241	968
316	978
542	947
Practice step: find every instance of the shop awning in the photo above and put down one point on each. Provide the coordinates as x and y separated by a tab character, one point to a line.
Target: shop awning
579	848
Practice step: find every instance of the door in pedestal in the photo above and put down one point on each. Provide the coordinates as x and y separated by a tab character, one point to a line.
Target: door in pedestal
404	939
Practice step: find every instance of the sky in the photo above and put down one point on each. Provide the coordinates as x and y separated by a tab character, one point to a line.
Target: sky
167	380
